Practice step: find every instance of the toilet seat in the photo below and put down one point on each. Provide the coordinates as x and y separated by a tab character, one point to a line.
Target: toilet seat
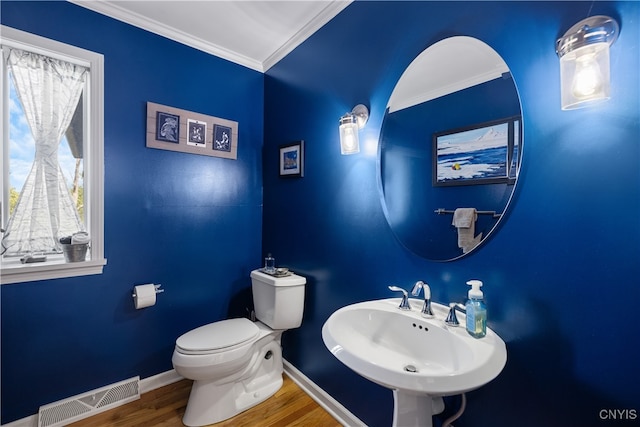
217	336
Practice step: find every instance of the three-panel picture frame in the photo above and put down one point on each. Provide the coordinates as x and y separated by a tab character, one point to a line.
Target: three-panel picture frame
174	129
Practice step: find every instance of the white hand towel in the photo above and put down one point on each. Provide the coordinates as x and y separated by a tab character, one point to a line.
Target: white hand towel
464	219
81	237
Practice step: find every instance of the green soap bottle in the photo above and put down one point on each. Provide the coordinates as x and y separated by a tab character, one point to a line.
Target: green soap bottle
476	310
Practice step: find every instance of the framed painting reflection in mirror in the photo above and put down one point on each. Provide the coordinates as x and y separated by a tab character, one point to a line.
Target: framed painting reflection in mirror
484	153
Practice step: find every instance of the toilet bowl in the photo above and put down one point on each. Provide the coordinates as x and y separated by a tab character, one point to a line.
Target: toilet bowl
236	363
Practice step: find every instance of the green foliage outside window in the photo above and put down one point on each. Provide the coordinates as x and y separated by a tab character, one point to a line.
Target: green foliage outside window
14	194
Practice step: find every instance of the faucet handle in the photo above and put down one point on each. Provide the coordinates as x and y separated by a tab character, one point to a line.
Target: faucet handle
404	304
452	319
426	308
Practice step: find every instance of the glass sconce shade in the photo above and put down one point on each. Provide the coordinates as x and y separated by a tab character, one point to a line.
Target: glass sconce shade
584	75
350	124
349	141
584	61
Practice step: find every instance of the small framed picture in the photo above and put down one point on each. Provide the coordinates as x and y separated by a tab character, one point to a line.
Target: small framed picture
292	160
221	138
167	127
196	133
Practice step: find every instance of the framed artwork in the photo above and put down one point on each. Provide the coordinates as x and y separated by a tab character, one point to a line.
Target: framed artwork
292	160
196	132
485	153
221	138
167	127
173	129
515	151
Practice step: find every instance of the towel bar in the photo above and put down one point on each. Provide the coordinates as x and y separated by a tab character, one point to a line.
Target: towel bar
442	211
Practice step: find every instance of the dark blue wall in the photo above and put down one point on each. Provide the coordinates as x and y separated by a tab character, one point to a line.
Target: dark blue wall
560	275
191	223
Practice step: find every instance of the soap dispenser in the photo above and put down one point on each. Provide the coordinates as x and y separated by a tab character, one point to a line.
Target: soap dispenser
476	311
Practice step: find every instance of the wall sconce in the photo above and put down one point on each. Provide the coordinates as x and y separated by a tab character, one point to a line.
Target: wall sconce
350	124
584	61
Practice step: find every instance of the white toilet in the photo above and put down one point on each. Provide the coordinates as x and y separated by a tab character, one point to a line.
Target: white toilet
236	363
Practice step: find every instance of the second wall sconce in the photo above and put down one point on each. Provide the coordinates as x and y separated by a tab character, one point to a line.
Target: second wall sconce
584	61
350	124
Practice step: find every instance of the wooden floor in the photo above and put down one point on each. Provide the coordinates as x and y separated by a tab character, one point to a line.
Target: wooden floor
164	407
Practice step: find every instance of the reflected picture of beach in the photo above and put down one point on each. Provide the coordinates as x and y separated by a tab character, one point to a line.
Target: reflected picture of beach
477	155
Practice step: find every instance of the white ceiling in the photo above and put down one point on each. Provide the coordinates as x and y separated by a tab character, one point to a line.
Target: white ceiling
452	64
253	33
258	33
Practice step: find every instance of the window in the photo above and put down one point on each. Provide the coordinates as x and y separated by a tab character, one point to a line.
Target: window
52	156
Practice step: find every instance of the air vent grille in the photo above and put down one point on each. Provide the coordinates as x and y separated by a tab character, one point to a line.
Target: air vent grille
87	404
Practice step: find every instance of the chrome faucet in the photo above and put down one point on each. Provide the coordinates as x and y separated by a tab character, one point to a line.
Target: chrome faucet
404	304
452	319
426	307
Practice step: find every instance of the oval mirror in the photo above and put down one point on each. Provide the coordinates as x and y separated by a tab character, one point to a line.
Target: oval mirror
450	149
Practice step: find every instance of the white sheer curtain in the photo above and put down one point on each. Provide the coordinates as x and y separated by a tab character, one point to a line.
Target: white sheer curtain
48	90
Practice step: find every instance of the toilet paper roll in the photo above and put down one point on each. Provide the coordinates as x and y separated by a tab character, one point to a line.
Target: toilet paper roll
144	296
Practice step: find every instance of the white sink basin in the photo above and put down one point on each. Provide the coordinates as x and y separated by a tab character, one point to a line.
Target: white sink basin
412	355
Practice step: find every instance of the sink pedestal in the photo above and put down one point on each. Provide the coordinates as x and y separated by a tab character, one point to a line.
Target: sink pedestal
415	410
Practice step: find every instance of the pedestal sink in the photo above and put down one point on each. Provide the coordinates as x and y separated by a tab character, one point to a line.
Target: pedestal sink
420	359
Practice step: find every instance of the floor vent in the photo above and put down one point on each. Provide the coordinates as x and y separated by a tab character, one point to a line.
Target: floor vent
91	403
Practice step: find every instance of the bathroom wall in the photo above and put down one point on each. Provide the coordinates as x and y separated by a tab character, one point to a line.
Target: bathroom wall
191	223
560	275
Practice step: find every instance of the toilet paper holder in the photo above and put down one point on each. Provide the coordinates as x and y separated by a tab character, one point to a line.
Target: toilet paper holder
157	287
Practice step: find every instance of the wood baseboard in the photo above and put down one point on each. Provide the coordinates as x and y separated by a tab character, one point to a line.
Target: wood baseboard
324	399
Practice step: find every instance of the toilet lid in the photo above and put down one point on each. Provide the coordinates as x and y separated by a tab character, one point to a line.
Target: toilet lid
218	335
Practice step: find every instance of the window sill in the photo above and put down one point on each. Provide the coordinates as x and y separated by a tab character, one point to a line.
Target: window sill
16	272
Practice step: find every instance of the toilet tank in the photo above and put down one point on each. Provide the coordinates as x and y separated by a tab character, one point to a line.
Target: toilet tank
278	301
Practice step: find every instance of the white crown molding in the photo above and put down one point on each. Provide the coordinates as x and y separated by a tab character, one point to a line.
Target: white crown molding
111	9
114	11
332	9
420	97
